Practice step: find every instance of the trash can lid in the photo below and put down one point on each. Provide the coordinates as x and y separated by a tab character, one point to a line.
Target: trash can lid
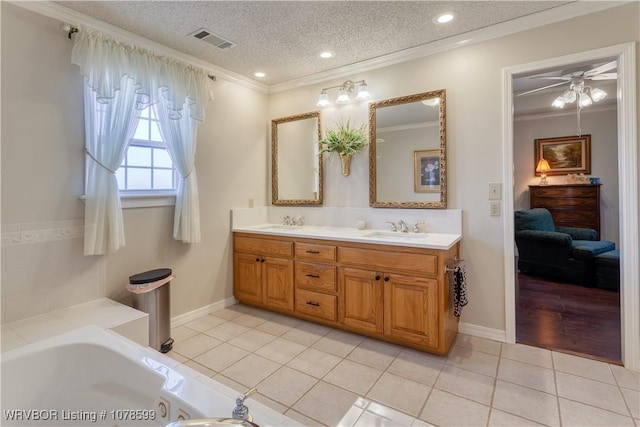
149	276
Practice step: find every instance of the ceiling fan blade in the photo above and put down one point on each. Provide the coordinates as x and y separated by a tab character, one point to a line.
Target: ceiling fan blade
601	69
565	78
540	88
604	76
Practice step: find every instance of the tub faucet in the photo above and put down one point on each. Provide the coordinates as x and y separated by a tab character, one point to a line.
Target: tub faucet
241	411
403	226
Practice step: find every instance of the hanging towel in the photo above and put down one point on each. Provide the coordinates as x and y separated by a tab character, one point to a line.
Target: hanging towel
459	290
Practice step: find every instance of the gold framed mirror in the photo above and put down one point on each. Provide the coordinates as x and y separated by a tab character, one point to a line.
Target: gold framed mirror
407	152
296	165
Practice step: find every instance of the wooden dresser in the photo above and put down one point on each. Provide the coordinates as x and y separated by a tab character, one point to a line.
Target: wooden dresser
570	205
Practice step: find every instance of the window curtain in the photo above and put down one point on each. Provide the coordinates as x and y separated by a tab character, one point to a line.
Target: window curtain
120	72
180	135
109	125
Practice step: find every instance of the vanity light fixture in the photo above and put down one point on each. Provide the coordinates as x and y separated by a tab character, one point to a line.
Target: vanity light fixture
344	92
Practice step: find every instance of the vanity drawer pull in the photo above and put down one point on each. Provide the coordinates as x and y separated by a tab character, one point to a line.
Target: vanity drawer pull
315	304
312	252
315	276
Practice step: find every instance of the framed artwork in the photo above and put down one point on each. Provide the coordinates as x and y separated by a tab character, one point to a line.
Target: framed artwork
566	154
426	171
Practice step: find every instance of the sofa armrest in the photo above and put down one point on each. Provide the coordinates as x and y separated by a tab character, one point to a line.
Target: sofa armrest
544	246
579	233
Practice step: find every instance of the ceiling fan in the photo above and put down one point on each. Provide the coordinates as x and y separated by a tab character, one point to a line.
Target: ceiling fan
577	78
579	91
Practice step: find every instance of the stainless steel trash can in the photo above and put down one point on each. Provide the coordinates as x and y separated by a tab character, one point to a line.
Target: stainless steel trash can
151	295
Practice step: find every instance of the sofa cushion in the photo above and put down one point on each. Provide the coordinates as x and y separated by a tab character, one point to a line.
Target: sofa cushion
587	249
609	259
534	219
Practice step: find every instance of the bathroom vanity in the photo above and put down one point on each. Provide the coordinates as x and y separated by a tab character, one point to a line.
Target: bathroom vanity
390	286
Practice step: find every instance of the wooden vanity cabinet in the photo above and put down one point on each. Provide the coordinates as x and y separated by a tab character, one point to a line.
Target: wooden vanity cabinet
394	293
263	272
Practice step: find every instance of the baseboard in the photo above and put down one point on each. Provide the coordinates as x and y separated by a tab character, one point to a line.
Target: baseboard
482	332
202	311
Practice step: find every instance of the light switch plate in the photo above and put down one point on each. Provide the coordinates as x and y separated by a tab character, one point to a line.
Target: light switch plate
495	191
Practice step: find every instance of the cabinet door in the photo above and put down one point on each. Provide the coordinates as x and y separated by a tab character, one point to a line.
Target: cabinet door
278	283
361	299
410	305
247	277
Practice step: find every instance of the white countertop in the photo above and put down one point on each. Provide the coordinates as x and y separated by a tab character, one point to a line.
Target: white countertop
441	241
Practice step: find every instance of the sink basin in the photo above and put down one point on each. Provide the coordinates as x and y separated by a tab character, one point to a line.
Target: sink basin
279	227
390	235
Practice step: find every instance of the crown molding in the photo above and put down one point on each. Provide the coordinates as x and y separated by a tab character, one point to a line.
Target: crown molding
550	16
77	19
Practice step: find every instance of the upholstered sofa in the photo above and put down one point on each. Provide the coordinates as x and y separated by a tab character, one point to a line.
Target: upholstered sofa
562	253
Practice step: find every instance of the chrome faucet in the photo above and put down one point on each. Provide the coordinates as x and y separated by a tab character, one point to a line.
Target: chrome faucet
416	227
404	228
394	227
241	411
287	220
298	221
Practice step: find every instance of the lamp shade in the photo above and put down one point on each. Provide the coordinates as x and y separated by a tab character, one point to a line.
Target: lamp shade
363	92
323	101
343	97
543	166
598	94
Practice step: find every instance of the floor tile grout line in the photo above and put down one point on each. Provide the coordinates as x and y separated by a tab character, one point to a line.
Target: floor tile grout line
495	383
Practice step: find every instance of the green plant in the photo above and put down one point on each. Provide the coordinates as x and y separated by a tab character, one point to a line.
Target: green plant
344	139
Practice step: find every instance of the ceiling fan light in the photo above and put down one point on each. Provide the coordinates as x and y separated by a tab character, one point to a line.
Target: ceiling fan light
569	96
558	102
585	101
598	94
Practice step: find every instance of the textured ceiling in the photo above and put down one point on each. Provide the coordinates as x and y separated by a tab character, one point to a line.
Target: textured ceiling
283	39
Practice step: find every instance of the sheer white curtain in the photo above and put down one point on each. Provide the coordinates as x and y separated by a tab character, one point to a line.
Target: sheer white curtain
109	125
180	134
117	72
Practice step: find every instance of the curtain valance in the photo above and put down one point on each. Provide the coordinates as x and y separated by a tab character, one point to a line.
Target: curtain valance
104	60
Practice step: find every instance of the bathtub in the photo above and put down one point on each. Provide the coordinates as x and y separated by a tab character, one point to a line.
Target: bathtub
95	377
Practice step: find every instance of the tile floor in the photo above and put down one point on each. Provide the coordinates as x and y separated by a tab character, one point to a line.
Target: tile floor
321	376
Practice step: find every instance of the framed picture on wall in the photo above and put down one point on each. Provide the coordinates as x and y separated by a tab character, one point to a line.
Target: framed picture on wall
565	154
426	171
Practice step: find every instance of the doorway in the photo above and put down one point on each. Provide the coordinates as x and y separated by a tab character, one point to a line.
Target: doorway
627	179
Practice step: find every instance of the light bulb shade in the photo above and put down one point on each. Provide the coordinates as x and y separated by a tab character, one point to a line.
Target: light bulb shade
584	100
343	97
543	166
598	94
569	96
323	100
363	92
558	102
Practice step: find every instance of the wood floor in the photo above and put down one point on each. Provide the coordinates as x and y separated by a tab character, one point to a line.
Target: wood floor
568	318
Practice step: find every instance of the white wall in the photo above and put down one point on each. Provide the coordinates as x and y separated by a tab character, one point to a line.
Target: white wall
602	126
43	267
472	77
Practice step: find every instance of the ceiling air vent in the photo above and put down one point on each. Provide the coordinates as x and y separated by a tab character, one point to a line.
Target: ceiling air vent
213	39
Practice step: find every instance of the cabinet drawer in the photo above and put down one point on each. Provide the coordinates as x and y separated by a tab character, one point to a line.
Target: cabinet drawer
575	203
316	276
312	252
383	260
263	246
564	191
316	304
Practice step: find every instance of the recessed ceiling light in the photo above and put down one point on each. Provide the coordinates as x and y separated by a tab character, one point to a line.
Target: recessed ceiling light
443	18
259	74
326	54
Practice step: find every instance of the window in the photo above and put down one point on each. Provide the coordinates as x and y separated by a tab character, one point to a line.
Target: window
147	166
